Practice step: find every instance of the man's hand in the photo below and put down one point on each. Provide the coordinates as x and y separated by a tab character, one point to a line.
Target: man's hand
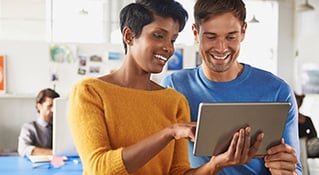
281	159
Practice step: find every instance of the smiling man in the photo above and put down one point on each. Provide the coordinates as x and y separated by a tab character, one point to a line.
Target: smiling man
219	30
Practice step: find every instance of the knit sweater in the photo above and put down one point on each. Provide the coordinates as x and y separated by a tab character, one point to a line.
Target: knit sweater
105	117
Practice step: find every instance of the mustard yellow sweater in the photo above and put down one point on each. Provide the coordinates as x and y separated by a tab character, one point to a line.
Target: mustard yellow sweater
105	117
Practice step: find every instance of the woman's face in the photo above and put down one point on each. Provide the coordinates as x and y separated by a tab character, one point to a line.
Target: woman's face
152	49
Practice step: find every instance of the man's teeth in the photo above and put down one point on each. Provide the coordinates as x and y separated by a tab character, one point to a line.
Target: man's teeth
161	57
220	58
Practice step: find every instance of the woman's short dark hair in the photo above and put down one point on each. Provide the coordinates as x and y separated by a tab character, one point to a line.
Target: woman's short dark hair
43	94
204	9
137	15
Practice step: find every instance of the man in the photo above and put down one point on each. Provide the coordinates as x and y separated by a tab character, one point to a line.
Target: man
219	30
307	130
36	136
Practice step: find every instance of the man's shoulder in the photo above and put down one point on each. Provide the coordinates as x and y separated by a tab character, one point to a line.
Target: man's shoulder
183	73
29	125
261	73
178	77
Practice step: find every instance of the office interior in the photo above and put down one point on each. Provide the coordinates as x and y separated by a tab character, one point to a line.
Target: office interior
281	37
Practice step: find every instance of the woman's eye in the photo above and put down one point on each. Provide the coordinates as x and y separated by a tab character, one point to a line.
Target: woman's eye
158	35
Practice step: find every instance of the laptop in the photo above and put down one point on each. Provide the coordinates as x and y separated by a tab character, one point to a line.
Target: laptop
217	122
62	143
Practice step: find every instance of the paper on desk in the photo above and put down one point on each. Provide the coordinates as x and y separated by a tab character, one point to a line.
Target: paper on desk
57	161
42	158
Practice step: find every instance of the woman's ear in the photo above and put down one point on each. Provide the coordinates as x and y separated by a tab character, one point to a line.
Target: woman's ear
128	35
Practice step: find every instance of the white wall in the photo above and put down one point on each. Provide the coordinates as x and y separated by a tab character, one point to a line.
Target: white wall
286	41
29	67
14	112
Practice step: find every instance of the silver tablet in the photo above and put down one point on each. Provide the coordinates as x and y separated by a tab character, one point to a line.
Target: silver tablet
217	122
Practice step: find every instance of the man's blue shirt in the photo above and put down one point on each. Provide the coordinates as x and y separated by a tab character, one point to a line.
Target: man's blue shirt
252	85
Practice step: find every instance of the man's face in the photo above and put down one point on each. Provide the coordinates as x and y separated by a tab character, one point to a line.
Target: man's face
219	41
46	109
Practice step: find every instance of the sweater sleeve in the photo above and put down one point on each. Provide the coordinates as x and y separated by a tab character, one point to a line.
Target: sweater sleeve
90	133
180	161
25	143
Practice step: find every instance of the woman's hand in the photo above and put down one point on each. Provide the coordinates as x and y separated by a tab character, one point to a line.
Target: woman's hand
184	130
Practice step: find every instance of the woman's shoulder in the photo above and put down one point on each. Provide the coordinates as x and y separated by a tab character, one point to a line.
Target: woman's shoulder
90	81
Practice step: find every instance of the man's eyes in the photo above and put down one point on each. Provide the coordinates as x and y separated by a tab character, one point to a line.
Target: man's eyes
229	38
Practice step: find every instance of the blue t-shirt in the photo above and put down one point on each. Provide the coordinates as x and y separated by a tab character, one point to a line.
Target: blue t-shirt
253	85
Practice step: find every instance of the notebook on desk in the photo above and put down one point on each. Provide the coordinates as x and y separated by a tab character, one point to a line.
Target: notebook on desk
217	122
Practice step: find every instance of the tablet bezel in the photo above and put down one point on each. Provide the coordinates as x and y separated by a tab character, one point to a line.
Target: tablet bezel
214	131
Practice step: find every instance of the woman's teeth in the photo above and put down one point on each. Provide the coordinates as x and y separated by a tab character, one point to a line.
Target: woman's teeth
161	57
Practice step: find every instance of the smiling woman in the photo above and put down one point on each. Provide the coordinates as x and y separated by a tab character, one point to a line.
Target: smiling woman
149	30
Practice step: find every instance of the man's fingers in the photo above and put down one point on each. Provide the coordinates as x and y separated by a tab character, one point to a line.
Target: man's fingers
253	150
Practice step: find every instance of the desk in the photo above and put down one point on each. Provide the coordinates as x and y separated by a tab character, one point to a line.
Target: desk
16	165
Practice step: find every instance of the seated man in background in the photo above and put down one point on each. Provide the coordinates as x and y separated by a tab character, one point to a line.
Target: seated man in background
307	130
36	137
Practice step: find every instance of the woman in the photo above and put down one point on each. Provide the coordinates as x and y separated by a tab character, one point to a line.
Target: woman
124	123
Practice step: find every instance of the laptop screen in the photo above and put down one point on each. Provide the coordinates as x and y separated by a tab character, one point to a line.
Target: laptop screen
62	143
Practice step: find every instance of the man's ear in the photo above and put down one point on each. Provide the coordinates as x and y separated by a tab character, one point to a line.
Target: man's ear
39	105
243	31
128	35
195	33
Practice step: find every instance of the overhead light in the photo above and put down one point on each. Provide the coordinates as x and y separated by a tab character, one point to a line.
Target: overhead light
254	20
306	6
83	12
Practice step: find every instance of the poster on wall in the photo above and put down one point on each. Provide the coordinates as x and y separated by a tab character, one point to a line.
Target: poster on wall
176	61
114	56
82	64
62	53
95	65
2	74
90	65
